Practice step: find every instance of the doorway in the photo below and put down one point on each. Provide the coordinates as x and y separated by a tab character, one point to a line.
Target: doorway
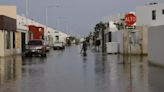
23	40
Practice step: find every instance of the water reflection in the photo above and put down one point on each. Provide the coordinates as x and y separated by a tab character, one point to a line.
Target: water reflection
10	73
101	73
33	60
156	75
116	77
33	73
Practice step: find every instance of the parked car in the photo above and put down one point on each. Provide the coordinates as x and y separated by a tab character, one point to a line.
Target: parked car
35	47
58	45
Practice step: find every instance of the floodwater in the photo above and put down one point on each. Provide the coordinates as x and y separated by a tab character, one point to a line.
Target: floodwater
69	71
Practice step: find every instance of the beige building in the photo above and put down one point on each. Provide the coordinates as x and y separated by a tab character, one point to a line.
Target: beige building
7	30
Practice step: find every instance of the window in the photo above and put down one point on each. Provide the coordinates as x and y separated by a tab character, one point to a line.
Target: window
154	15
7	40
57	38
14	40
109	37
163	11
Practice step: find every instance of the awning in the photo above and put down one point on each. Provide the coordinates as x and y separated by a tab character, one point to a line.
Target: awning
7	23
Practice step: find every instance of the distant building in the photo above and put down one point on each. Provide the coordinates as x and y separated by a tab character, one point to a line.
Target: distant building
59	36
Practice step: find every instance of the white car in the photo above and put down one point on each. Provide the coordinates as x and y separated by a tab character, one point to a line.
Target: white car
58	45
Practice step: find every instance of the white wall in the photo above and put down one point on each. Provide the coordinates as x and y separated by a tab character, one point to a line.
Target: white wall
21	23
118	37
144	15
156	45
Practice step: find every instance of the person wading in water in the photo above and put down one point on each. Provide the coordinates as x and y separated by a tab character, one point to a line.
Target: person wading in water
84	48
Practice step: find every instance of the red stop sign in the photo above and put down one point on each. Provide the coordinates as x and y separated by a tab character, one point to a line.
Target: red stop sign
130	19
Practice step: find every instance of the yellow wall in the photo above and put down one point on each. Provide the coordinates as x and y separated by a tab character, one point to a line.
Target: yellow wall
1	43
18	40
10	11
10	51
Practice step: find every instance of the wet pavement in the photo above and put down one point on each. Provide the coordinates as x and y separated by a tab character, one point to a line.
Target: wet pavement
69	71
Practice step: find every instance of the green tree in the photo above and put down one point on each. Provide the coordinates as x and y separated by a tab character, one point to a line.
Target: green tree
120	25
100	28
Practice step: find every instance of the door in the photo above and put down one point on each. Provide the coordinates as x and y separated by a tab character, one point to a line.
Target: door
109	37
23	38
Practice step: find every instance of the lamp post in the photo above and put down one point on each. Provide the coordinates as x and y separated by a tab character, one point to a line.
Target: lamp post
46	33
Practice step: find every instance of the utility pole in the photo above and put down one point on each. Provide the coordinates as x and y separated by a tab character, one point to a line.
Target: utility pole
46	19
46	33
26	19
26	4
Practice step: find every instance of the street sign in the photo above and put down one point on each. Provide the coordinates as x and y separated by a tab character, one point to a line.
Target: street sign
130	27
130	19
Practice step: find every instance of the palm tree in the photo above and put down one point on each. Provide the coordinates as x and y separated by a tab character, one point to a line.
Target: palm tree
120	25
101	27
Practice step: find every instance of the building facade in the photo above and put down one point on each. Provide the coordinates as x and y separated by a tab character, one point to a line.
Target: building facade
22	33
152	16
130	41
156	45
7	30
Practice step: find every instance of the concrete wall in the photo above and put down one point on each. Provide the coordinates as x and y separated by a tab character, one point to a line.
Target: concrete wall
135	41
144	15
156	45
143	38
139	42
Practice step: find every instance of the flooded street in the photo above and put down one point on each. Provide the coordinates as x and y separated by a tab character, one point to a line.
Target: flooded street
69	71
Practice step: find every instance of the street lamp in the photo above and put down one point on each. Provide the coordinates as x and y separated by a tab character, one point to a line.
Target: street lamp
47	18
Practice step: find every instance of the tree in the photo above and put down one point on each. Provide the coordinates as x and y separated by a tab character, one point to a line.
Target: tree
101	27
120	25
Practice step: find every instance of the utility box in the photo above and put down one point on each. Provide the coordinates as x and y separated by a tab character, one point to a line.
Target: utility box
112	47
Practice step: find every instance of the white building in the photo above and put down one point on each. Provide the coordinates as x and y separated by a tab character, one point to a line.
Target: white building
59	36
50	35
150	15
22	31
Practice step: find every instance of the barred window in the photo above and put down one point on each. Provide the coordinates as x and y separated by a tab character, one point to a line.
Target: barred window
7	40
154	15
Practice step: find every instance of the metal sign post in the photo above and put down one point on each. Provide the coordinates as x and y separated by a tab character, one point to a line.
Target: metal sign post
130	20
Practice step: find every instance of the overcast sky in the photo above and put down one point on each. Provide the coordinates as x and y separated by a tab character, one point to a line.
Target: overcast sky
76	17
